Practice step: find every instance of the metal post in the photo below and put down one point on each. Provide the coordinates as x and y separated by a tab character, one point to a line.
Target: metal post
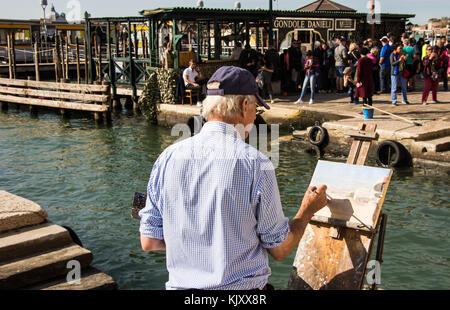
217	41
131	61
152	41
199	39
372	11
176	55
247	33
208	29
112	71
270	23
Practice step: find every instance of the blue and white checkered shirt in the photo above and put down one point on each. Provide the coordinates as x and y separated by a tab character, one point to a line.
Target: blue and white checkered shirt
214	200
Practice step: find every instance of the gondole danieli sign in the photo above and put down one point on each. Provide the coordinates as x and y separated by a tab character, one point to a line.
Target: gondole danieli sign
303	23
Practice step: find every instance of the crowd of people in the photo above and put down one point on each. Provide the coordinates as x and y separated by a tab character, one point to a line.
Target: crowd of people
361	69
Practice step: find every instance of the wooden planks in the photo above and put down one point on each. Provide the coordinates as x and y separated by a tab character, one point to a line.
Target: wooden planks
54	94
55	86
55	104
325	263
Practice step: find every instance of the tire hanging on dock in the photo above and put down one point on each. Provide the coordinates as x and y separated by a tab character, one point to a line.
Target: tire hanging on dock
392	154
318	136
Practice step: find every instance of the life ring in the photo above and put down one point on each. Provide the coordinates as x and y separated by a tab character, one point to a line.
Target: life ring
392	154
318	136
74	236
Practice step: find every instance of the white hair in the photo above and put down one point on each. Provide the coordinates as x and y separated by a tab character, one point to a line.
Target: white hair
228	107
317	44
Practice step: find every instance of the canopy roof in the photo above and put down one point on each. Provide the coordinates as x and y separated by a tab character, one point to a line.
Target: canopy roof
326	5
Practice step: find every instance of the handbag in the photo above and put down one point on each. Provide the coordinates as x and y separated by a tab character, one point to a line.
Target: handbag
260	80
405	74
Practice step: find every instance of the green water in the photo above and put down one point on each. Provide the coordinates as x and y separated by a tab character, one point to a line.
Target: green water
85	176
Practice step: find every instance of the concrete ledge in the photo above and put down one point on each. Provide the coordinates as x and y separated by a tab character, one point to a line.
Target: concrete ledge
17	212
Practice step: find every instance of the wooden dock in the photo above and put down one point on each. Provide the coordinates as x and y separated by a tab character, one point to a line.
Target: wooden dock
62	96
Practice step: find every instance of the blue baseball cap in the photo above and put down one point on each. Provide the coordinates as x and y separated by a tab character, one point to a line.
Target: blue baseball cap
230	80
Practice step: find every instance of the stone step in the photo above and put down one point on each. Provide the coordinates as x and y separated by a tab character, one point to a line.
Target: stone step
91	279
435	145
41	267
32	240
17	212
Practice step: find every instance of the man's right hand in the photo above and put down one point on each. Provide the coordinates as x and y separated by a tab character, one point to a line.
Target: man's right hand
314	200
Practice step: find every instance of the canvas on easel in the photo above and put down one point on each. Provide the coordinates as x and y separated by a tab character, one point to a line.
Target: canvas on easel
356	193
334	251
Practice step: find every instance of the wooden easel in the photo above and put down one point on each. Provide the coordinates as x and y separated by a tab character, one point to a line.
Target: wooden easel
334	255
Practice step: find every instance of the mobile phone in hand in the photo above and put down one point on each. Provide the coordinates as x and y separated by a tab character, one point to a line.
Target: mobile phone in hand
139	201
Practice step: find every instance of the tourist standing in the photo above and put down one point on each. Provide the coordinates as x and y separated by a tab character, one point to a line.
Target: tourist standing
295	63
431	66
311	67
324	82
249	59
349	81
364	77
373	56
340	57
236	51
408	51
398	65
385	64
353	55
266	72
444	56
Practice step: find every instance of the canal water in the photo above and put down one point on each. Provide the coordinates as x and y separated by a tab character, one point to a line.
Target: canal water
85	176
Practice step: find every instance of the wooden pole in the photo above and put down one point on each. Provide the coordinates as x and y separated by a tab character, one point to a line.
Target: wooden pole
10	64
56	57
61	51
86	71
78	61
100	73
13	53
67	56
36	61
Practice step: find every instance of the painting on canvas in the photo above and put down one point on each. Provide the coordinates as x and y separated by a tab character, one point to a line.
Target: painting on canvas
356	193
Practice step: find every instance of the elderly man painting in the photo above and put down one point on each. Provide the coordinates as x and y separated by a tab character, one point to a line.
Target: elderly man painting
213	201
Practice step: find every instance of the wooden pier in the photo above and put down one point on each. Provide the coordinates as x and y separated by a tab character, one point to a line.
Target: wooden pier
62	96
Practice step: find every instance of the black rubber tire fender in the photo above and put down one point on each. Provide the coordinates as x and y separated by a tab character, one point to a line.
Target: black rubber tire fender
74	236
318	131
390	154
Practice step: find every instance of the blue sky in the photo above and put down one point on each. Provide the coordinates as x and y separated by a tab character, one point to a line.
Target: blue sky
25	9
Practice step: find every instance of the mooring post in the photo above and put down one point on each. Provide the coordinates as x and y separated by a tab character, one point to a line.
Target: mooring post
78	61
56	57
36	61
67	57
86	70
61	50
13	51
10	64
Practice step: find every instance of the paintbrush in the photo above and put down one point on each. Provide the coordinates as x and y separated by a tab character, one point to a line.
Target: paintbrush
328	196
